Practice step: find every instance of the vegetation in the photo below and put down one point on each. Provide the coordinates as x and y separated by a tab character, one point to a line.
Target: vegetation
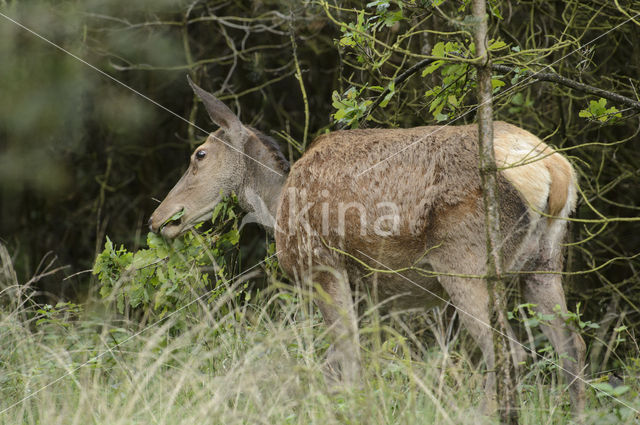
256	361
168	275
206	326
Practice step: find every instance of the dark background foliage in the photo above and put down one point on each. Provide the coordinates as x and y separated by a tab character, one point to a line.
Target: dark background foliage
82	156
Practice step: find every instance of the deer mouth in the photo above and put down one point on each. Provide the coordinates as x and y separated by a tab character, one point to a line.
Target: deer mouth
182	220
172	227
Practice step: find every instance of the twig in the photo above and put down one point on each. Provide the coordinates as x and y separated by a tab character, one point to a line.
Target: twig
540	76
398	80
303	91
555	78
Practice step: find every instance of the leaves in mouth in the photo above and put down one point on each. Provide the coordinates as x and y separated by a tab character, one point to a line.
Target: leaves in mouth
174	217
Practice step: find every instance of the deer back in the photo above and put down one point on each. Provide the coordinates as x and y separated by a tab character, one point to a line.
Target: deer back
394	193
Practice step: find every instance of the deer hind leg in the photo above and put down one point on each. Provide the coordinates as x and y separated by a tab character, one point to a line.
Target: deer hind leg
338	310
471	298
545	291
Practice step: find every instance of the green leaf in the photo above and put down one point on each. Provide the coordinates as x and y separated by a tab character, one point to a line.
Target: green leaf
495	9
136	296
441	117
603	387
497	45
386	99
547	317
438	50
347	41
158	244
435	104
174	217
105	291
233	237
496	83
393	17
620	390
379	4
432	92
139	280
517	99
432	67
120	302
144	258
335	97
598	111
216	211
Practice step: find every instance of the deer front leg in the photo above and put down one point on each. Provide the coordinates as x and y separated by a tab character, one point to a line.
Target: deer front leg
336	304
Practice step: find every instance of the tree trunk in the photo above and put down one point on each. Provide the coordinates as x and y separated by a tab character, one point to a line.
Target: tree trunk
505	388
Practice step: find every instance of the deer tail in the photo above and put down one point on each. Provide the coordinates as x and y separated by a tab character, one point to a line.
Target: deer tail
562	190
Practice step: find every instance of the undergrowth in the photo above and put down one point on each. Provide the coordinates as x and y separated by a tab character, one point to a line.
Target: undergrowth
243	363
173	338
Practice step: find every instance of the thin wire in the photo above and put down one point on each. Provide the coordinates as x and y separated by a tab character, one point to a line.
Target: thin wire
134	90
94	358
521	82
433	294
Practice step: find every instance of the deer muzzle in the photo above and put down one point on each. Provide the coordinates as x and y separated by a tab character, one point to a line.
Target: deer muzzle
167	225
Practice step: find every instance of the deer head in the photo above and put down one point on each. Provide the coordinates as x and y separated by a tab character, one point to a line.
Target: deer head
217	168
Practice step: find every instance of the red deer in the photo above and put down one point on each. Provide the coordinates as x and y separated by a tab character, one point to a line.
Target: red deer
352	199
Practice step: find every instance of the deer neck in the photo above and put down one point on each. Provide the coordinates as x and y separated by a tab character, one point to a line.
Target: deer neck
262	185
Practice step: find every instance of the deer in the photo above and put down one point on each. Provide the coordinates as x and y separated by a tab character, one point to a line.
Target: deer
361	204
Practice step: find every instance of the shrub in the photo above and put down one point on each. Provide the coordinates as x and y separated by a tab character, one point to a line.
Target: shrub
169	275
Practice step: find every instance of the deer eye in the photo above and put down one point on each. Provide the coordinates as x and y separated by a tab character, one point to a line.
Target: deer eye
201	154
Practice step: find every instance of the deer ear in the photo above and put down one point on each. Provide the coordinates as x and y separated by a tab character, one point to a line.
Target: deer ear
220	114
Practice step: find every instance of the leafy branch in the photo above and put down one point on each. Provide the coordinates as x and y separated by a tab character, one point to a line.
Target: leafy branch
540	76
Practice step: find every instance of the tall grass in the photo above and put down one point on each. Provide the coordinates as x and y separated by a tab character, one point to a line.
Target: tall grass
256	363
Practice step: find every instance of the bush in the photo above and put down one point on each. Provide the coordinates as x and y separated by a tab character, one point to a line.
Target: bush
170	275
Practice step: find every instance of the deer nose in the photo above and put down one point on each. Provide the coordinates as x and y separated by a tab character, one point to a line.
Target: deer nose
150	224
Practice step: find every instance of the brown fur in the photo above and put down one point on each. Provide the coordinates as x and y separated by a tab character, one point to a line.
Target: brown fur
273	149
561	178
441	175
